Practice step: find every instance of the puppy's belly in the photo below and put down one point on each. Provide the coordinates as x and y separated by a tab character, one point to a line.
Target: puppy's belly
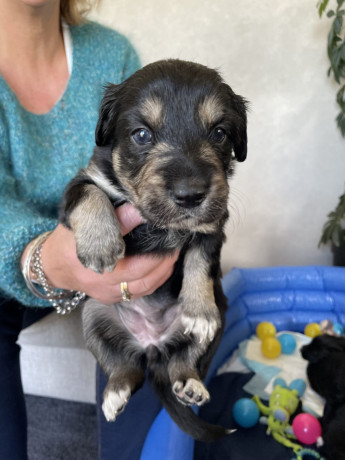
150	324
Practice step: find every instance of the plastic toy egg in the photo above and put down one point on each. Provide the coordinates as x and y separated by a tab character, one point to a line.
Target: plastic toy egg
312	330
288	343
245	412
306	428
271	348
265	329
338	329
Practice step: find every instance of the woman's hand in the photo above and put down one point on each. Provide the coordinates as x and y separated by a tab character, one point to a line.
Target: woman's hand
143	274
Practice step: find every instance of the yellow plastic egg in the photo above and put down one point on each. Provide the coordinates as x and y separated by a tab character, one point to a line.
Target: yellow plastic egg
271	348
312	330
265	329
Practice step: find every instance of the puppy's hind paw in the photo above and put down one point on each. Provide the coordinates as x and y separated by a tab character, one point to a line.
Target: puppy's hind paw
191	392
115	402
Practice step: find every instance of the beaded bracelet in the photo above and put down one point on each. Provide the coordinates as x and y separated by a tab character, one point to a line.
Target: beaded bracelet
64	301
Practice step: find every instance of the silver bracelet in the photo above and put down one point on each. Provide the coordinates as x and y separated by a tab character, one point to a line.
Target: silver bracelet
64	301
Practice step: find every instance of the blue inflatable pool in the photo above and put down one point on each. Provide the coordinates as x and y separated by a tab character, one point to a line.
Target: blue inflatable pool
289	297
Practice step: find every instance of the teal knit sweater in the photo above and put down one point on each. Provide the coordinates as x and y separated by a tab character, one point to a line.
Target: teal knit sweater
39	154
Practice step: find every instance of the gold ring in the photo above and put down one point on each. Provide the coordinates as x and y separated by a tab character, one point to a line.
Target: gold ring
126	296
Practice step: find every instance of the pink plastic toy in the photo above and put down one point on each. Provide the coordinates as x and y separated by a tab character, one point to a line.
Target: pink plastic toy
306	428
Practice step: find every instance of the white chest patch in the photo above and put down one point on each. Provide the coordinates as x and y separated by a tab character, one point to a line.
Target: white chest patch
150	324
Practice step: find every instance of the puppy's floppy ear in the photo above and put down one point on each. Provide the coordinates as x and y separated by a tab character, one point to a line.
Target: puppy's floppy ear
239	107
105	129
240	138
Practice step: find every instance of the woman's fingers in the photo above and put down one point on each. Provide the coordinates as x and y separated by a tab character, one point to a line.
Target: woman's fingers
143	275
151	273
128	217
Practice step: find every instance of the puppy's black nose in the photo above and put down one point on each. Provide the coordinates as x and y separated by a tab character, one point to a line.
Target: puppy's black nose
189	193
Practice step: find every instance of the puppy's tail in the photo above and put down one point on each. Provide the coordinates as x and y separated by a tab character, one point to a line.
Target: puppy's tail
185	417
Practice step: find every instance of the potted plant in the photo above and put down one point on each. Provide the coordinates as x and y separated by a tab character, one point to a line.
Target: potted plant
333	231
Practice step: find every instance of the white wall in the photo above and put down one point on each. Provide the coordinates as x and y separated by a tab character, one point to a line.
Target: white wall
274	54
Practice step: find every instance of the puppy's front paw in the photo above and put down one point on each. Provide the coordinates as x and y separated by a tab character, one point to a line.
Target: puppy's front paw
203	326
191	392
115	402
102	252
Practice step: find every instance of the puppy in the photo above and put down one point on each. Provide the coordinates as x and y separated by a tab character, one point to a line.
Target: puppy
166	141
326	374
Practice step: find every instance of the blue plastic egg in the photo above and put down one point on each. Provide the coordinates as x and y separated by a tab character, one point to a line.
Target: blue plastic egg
338	329
288	343
245	412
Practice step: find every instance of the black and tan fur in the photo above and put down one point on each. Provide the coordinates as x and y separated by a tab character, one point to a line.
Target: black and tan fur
166	141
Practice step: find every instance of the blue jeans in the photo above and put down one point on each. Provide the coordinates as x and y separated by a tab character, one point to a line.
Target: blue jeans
120	440
13	433
124	438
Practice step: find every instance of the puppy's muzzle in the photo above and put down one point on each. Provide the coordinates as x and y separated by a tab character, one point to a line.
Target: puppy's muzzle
310	353
189	192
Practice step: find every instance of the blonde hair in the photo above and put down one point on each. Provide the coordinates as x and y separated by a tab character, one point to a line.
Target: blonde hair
74	11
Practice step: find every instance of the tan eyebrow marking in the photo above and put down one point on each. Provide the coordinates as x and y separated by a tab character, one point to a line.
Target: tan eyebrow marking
210	110
152	111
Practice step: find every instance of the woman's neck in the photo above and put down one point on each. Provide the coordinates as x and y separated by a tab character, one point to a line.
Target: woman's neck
29	32
32	54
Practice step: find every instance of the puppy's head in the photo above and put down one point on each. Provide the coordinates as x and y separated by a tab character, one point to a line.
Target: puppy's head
174	129
323	346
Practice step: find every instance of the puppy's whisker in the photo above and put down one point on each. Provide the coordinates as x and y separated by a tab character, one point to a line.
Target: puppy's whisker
237	210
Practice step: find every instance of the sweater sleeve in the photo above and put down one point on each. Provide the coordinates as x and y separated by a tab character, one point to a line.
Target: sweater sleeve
19	224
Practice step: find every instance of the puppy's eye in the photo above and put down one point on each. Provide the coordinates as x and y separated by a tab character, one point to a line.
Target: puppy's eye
142	136
217	135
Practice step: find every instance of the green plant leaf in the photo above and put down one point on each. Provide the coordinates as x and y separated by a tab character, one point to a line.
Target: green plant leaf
341	95
333	229
322	5
337	24
341	123
335	239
